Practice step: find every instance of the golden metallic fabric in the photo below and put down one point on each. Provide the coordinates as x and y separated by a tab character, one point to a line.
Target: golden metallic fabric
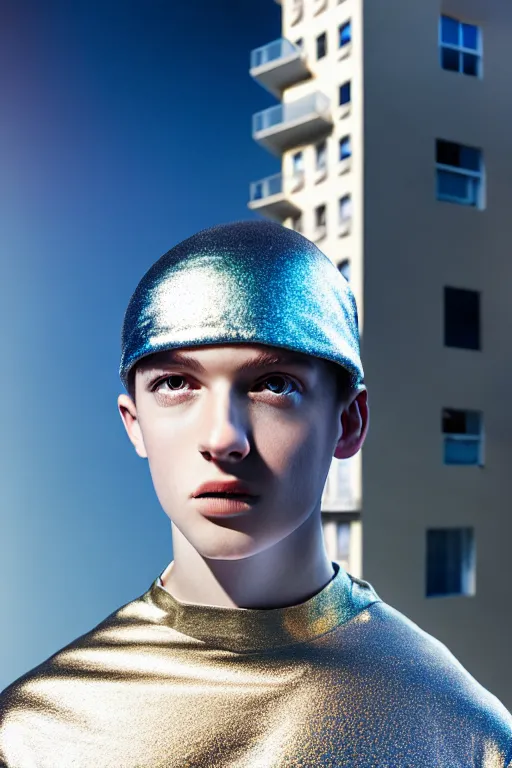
340	680
247	282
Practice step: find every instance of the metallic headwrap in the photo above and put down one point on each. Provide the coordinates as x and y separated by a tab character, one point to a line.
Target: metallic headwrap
246	282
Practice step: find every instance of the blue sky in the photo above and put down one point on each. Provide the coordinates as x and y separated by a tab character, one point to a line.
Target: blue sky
125	127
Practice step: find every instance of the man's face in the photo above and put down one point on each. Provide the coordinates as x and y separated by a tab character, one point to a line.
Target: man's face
258	414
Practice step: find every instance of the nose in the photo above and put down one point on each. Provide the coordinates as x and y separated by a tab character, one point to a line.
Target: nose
225	430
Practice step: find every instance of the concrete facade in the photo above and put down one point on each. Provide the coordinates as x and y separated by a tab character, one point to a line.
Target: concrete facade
405	246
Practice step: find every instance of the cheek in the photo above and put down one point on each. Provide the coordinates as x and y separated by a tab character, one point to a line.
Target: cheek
284	444
168	457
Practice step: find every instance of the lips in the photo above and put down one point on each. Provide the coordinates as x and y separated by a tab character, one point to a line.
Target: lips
232	489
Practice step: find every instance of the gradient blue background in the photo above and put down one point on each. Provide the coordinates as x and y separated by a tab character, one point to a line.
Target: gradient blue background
125	126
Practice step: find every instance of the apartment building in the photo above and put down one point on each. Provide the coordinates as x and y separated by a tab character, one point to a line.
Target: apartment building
393	123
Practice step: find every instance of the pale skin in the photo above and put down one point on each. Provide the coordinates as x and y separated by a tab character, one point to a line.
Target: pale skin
224	414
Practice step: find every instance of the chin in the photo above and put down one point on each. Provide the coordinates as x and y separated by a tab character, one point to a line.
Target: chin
226	544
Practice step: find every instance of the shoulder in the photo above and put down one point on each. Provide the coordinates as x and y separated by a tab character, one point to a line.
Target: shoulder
436	679
48	698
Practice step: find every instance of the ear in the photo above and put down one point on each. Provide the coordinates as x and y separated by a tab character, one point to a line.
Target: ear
128	413
355	420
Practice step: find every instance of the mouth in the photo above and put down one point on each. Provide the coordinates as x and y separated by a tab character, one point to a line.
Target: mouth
225	504
237	496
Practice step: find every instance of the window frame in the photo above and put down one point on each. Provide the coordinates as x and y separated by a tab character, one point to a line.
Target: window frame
318	208
471	437
341	200
469	174
317	41
342	139
318	145
297	171
456	307
459	48
341	27
440	571
348	84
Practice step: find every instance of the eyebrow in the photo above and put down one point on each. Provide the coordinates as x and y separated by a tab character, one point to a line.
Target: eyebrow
263	360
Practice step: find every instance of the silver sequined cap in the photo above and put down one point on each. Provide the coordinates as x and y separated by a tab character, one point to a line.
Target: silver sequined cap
246	282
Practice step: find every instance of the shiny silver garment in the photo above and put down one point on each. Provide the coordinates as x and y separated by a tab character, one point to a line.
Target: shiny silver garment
340	680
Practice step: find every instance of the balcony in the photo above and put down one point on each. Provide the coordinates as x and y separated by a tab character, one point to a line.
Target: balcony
271	197
278	65
289	125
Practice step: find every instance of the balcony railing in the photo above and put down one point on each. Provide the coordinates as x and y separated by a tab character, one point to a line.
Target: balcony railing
272	198
298	122
277	49
278	65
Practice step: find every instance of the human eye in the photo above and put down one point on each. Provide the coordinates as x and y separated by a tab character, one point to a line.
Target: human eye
279	385
171	383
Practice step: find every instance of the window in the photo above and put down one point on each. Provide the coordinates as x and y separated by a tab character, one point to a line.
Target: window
258	191
461	318
345	149
345	93
321	216
462	437
300	42
321	45
450	562
337	538
345	209
459	173
297	223
460	47
344	268
297	163
321	156
345	34
342	543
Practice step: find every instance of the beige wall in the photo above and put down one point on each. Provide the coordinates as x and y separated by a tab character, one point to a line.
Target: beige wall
328	74
413	247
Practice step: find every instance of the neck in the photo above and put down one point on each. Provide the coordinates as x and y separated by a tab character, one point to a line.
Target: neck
288	573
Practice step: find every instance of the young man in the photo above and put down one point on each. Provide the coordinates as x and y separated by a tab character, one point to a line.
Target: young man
241	357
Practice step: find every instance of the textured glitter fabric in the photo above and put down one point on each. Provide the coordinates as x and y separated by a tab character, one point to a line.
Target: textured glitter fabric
247	282
340	680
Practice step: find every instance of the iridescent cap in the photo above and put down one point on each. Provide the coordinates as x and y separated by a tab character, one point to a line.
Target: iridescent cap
246	282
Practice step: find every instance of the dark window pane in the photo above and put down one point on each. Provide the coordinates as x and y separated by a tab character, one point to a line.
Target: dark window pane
461	318
321	46
448	152
320	217
450	561
453	422
450	59
449	30
473	422
448	553
345	93
470	64
321	155
470	158
297	223
344	268
345	34
470	36
345	149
